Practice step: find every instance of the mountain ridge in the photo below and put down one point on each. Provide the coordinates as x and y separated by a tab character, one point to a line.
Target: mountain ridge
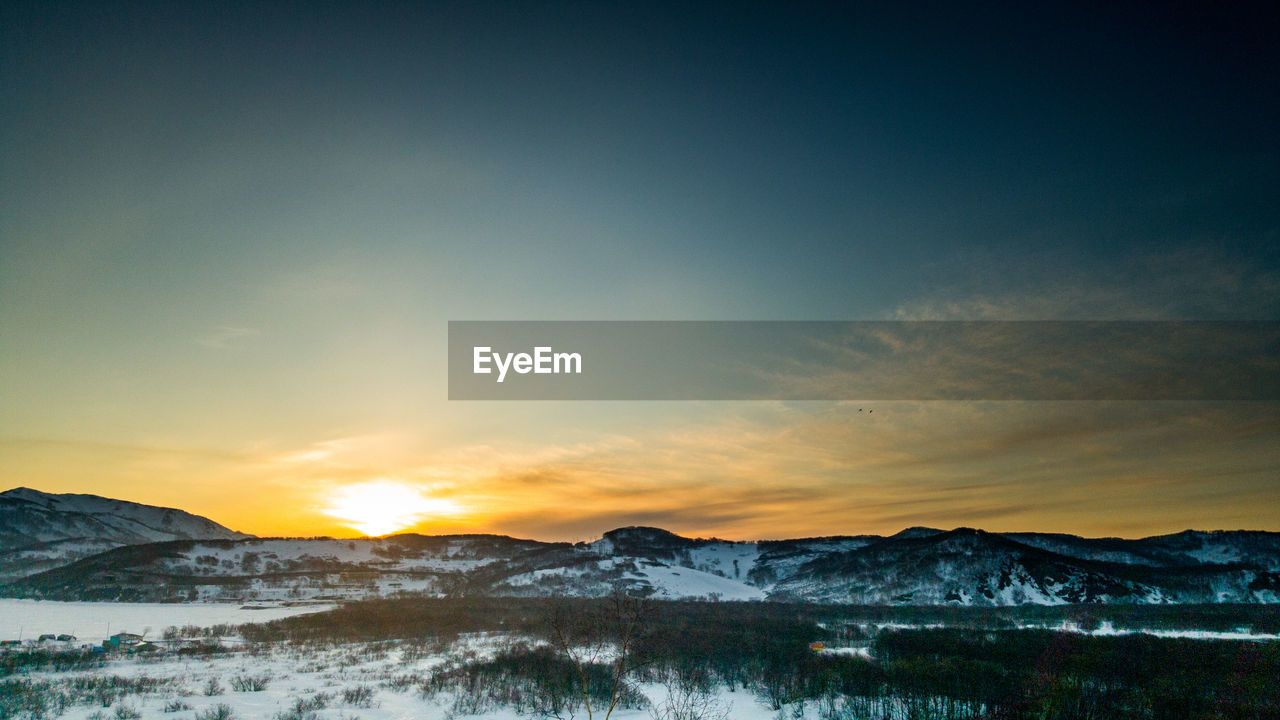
922	566
40	530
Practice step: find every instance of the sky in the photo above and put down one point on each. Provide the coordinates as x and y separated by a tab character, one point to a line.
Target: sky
232	236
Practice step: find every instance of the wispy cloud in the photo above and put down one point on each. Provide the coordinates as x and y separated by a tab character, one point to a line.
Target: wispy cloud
224	336
826	468
1181	282
351	451
751	470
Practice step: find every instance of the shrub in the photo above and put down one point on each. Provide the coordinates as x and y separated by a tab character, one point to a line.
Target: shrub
22	698
689	701
221	711
250	683
23	661
530	681
304	708
359	696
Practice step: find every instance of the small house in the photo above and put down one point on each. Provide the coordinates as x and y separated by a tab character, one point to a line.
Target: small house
122	640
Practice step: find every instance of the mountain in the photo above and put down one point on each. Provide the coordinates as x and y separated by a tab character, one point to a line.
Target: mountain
918	566
957	567
42	530
972	567
1189	547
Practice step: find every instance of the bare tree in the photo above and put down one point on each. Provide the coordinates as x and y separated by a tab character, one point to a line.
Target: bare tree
601	634
689	699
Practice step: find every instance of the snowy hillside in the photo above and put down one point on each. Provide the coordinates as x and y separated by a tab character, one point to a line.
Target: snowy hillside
959	567
80	547
36	558
1190	547
972	567
42	530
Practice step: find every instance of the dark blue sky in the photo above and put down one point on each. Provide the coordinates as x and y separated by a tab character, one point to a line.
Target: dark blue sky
849	159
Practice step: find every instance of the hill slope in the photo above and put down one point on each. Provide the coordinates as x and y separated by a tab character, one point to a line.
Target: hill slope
42	530
83	547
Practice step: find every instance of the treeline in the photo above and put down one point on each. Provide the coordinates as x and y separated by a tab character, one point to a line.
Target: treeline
420	617
937	674
535	682
969	671
407	619
51	699
48	659
1041	674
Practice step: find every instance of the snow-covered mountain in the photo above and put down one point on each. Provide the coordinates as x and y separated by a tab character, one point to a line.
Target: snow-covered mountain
972	567
919	566
961	567
40	531
1189	547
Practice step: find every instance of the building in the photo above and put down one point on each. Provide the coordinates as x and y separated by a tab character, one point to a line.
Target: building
122	640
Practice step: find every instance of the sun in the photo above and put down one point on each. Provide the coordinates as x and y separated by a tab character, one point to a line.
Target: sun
381	507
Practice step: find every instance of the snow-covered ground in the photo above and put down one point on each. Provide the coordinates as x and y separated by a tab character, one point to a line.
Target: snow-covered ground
664	580
93	622
1104	629
326	679
732	560
1107	628
682	582
339	681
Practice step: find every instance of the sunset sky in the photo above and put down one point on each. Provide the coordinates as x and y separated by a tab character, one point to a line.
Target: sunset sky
232	236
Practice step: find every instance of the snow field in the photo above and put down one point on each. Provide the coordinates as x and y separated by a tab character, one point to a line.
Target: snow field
370	681
93	622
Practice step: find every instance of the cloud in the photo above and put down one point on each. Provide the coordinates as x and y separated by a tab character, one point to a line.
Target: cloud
769	470
225	336
1178	282
351	452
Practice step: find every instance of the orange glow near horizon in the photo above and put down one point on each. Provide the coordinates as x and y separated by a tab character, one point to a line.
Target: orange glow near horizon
738	472
381	507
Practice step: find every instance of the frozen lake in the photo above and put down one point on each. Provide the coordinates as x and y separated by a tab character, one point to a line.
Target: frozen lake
95	621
